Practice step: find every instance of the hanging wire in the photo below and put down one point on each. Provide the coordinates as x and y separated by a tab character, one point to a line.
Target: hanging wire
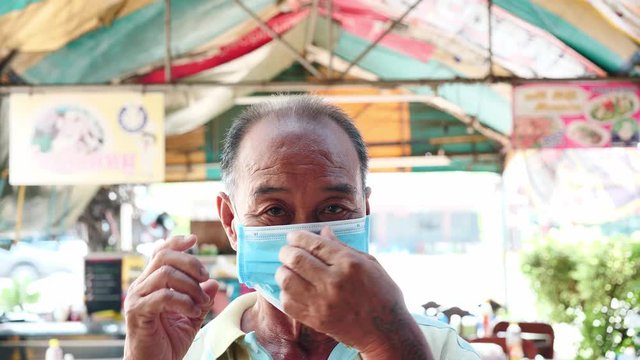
490	37
65	209
3	180
51	211
19	212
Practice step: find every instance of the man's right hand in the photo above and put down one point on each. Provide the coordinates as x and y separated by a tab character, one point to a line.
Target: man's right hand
166	304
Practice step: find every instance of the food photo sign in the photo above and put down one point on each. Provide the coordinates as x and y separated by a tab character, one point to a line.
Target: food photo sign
86	138
576	115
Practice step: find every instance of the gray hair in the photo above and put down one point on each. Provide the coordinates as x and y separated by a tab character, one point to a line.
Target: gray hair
299	107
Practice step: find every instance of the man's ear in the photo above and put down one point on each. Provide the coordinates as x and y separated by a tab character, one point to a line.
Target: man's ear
367	193
227	215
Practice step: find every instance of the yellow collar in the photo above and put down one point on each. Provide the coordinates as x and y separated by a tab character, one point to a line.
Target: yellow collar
225	328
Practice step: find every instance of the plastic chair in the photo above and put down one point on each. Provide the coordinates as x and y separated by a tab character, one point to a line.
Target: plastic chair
489	351
540	333
528	347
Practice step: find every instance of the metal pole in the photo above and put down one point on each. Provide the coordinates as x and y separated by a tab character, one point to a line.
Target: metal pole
313	20
331	47
505	240
377	40
126	227
301	85
299	58
490	36
19	212
6	61
167	41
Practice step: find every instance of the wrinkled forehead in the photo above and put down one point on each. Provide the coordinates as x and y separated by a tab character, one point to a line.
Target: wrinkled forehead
289	146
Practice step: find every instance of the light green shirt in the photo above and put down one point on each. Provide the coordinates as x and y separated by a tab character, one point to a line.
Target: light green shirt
223	339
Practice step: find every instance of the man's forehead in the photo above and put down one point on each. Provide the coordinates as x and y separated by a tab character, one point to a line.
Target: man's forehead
273	127
295	138
273	150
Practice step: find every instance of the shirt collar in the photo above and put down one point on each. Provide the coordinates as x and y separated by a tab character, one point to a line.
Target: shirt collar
225	328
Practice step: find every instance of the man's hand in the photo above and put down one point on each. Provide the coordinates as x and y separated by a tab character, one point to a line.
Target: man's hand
166	305
346	294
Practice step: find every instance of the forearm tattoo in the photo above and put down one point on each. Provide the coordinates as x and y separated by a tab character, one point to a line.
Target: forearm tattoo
398	329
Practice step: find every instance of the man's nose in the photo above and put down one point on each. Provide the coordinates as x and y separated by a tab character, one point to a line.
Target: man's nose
305	218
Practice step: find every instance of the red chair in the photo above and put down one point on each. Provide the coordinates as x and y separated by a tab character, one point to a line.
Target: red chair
540	333
528	347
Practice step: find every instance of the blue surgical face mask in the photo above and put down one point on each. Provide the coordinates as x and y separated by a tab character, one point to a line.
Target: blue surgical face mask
259	246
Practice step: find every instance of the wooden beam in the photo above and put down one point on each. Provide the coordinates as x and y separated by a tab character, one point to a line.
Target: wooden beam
461	139
183	158
189	141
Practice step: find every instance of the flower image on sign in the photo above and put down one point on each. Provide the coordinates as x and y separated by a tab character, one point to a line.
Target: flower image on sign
572	115
93	138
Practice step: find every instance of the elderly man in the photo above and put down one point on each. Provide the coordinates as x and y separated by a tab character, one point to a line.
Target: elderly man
296	211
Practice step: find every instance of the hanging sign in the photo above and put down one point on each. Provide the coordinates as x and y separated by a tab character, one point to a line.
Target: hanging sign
576	115
91	138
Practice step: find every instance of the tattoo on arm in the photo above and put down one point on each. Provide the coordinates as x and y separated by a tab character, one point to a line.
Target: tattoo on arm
398	329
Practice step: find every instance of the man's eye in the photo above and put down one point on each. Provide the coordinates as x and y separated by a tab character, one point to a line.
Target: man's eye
334	209
275	211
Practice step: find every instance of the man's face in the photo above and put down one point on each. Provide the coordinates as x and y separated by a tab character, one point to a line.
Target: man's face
290	172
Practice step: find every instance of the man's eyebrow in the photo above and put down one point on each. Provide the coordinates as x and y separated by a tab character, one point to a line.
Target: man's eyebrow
346	189
266	190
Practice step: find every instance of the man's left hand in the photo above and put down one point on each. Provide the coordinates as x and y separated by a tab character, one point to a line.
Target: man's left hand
346	294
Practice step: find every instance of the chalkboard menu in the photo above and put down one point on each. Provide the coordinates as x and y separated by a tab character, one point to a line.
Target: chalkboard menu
103	284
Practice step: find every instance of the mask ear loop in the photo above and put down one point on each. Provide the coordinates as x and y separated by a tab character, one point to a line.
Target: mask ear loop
364	203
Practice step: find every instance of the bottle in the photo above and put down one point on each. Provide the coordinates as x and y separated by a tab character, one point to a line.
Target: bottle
54	352
487	312
514	342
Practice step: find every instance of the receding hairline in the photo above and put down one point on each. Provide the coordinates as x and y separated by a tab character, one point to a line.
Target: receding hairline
321	127
305	109
291	121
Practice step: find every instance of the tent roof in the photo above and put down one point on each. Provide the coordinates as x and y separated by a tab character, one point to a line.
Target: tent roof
122	41
104	34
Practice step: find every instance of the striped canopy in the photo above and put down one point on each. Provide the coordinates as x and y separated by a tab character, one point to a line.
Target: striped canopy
75	42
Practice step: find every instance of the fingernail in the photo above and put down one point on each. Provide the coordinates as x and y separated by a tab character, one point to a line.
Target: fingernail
204	272
197	312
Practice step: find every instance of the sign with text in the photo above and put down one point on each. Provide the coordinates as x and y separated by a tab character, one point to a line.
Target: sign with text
86	138
576	115
103	284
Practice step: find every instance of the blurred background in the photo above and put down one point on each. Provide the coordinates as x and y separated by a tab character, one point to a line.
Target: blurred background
503	135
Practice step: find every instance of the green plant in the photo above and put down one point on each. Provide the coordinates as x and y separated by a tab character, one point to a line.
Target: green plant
594	285
551	267
16	295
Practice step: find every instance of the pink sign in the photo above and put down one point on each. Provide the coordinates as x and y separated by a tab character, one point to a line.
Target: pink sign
576	115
